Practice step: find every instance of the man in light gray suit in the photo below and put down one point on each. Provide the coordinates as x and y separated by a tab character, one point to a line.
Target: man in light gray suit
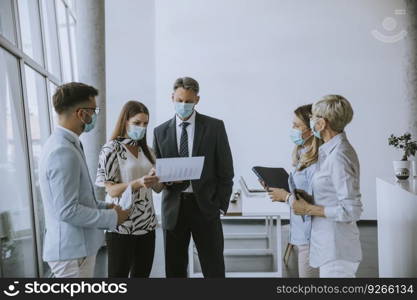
74	219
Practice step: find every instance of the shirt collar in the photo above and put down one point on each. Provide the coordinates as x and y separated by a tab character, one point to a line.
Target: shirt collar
327	147
191	120
72	133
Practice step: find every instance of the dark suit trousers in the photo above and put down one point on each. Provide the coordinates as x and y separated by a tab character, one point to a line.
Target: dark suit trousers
208	238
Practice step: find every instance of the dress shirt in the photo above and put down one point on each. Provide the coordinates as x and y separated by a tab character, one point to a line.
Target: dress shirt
336	188
190	132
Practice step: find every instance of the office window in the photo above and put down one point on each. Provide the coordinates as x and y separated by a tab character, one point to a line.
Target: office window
39	132
72	29
18	255
64	41
51	37
7	28
30	29
54	116
26	119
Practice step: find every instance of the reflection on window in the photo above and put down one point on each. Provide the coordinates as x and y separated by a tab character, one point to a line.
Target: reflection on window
52	89
39	132
7	28
31	29
17	255
64	41
71	4
73	47
51	37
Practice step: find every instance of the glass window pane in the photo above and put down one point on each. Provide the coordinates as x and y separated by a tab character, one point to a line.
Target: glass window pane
64	42
51	37
7	27
31	29
74	48
17	246
71	4
39	132
54	115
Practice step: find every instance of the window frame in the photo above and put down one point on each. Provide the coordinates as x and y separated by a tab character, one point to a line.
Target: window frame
24	59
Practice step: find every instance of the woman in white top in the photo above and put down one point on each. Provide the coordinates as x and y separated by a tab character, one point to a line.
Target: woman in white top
305	156
126	164
334	246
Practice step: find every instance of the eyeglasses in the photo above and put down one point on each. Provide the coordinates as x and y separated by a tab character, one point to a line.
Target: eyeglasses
95	109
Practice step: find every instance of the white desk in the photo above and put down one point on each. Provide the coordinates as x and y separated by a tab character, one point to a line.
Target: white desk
397	227
250	206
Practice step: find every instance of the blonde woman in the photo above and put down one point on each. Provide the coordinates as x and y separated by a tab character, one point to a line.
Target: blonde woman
334	246
305	156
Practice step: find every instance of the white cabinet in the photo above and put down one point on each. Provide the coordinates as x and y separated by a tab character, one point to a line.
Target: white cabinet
397	227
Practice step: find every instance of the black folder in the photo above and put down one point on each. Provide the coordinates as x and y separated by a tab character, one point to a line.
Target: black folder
272	177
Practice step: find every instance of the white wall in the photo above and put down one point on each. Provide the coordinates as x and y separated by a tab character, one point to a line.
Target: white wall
130	56
257	60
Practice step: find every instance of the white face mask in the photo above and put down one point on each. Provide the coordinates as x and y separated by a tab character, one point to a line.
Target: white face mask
316	133
184	110
136	132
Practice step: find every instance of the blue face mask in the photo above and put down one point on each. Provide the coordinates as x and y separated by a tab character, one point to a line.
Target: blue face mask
297	136
90	126
136	132
184	110
315	132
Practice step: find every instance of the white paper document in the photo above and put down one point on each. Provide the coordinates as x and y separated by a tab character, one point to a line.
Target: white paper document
179	168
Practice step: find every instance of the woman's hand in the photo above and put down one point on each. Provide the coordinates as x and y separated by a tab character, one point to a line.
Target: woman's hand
304	195
146	181
277	194
301	207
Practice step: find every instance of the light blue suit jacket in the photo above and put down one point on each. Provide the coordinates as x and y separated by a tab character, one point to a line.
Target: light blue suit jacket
74	219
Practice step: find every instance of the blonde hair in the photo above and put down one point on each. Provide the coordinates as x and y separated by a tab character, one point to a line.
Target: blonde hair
312	144
335	109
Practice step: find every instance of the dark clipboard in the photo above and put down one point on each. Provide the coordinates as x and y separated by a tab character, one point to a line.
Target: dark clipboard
272	177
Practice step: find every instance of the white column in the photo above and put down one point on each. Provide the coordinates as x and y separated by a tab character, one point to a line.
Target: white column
91	70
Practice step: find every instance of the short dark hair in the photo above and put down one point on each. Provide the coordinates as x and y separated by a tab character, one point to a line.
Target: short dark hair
71	94
187	83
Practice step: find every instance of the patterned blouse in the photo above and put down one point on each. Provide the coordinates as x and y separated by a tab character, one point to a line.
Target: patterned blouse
117	165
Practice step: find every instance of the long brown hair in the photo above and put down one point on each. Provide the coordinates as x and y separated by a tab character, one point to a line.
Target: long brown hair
129	110
312	144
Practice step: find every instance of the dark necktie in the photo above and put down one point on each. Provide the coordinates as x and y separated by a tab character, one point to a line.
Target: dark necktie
184	146
184	140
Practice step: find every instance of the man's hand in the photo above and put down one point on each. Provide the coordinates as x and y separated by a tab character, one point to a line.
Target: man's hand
122	215
110	205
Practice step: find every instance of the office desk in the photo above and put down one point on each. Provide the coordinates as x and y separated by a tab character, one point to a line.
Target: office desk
249	206
254	206
397	225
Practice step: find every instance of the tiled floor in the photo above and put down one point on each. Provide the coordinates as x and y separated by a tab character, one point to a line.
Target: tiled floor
367	268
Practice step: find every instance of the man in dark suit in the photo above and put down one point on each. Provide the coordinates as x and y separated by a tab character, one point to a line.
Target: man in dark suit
194	207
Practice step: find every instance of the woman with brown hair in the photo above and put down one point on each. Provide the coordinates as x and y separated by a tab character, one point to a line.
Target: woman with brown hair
126	164
305	156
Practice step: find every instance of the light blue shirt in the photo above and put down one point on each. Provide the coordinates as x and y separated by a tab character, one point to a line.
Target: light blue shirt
336	187
74	219
300	229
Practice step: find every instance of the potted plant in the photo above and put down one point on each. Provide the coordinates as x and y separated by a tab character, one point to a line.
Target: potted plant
402	167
